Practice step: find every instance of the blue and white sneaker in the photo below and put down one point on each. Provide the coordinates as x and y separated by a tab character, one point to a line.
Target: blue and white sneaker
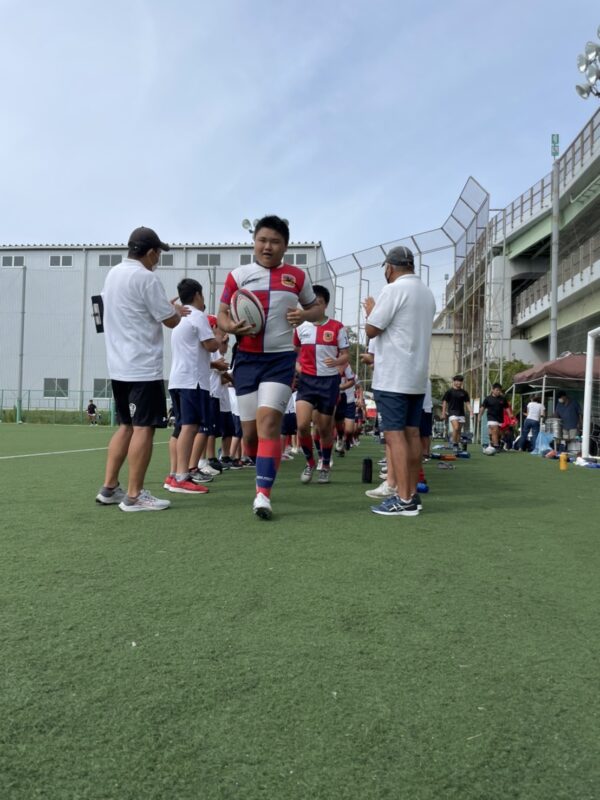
395	507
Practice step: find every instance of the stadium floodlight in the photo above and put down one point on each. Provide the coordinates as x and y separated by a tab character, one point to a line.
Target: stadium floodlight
592	51
592	73
588	63
247	224
583	90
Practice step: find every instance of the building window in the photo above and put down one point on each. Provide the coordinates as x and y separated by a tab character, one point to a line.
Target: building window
109	260
245	258
13	261
208	259
166	259
61	261
56	387
299	259
102	387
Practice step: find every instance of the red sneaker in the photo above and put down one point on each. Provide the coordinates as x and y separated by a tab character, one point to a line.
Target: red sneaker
169	480
186	487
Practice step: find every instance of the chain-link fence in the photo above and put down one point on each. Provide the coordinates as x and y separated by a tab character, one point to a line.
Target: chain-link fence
65	409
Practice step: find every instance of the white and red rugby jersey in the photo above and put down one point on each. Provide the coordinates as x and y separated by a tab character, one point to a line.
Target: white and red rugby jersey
347	375
318	342
279	290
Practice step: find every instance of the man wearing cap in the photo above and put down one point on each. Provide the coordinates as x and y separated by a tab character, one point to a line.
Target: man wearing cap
401	320
135	308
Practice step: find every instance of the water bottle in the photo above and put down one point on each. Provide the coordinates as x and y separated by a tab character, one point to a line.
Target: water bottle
564	461
367	470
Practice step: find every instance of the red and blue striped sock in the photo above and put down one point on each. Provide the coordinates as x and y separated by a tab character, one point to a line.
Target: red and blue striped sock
326	451
306	443
268	459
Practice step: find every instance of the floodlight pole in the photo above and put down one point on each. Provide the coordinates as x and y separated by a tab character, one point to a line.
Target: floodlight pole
19	417
554	251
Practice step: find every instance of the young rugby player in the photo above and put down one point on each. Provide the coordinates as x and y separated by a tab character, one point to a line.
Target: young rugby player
323	349
265	363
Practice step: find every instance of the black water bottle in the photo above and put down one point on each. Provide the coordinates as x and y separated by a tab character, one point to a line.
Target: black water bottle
367	470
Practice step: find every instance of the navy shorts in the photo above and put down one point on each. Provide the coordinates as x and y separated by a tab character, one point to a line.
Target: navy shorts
226	424
426	426
140	403
237	427
190	406
252	369
350	411
398	410
289	426
321	391
213	424
340	409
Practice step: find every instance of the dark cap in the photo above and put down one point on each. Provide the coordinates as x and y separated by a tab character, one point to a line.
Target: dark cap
562	393
399	257
146	239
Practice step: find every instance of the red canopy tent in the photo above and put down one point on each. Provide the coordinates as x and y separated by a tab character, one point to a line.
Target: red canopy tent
568	369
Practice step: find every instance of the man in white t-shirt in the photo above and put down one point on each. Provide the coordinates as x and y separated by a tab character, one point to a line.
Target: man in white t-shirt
401	319
192	343
135	309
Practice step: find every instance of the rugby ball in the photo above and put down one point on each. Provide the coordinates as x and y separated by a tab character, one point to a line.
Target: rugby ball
246	306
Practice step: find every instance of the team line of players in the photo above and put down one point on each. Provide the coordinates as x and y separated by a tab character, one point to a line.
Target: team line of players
206	406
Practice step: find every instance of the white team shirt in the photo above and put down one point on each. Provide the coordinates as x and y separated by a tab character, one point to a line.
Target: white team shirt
404	312
347	375
233	401
190	362
217	388
135	305
428	400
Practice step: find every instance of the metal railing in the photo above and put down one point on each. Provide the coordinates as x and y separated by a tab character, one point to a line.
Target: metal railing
570	267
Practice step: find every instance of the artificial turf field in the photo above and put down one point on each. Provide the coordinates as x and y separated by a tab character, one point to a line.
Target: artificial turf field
201	653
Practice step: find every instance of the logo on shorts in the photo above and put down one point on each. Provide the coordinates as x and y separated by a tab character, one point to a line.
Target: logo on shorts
288	280
132	410
328	336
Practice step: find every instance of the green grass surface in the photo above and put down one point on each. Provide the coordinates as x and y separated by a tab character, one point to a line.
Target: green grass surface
329	653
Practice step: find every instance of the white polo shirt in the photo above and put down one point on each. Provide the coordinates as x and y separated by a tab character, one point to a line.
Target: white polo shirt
135	304
404	313
190	362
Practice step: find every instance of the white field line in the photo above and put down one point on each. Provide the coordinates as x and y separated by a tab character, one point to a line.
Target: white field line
59	452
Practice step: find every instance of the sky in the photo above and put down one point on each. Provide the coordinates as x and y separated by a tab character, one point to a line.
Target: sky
359	121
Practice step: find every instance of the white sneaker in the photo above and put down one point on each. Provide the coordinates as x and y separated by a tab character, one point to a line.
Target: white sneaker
383	490
208	470
383	475
307	474
144	502
262	506
110	497
339	447
319	465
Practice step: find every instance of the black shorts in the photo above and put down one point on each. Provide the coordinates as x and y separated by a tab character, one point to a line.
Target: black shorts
426	426
140	403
